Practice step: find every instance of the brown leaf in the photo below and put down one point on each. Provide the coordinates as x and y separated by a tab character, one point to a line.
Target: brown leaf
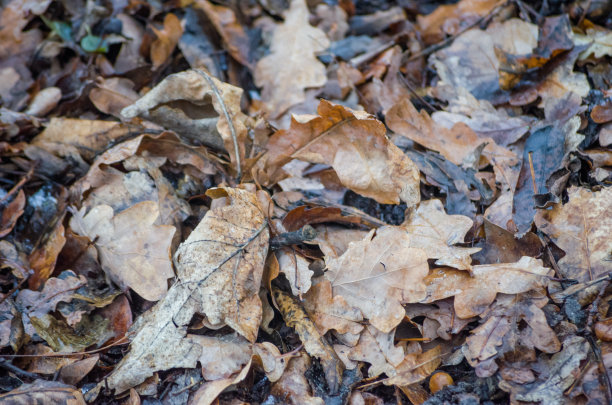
473	294
302	215
356	146
432	230
43	259
73	373
561	370
43	391
293	387
378	274
416	367
236	40
603	330
291	66
457	144
376	348
582	228
440	319
134	252
449	19
113	95
11	213
219	268
209	391
499	333
199	107
88	137
166	41
602	113
331	313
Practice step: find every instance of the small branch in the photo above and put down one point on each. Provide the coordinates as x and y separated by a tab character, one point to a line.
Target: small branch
304	234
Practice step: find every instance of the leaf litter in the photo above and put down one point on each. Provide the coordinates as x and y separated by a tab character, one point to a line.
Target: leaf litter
305	202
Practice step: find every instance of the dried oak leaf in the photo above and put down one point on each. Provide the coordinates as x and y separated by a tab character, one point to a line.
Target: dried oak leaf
582	228
329	312
133	251
292	65
474	293
378	274
376	348
219	271
559	373
499	332
355	144
432	230
458	144
416	367
43	391
199	107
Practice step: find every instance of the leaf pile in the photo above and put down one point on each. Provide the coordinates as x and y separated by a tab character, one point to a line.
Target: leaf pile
311	202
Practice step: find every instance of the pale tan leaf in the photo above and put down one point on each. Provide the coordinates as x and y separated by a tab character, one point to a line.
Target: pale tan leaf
43	392
292	65
473	294
209	391
432	230
582	228
293	387
199	107
376	348
331	313
416	367
134	252
219	268
378	274
295	268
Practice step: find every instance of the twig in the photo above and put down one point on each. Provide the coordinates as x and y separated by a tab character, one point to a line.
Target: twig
406	83
304	234
230	123
11	367
532	171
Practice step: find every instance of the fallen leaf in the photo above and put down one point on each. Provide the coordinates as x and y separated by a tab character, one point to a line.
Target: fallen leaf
209	391
432	230
291	66
499	333
329	312
198	106
473	294
293	387
457	144
113	95
42	260
416	367
62	338
237	42
581	227
11	213
219	267
43	391
73	373
166	41
295	268
134	252
561	372
378	274
449	19
376	348
356	146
